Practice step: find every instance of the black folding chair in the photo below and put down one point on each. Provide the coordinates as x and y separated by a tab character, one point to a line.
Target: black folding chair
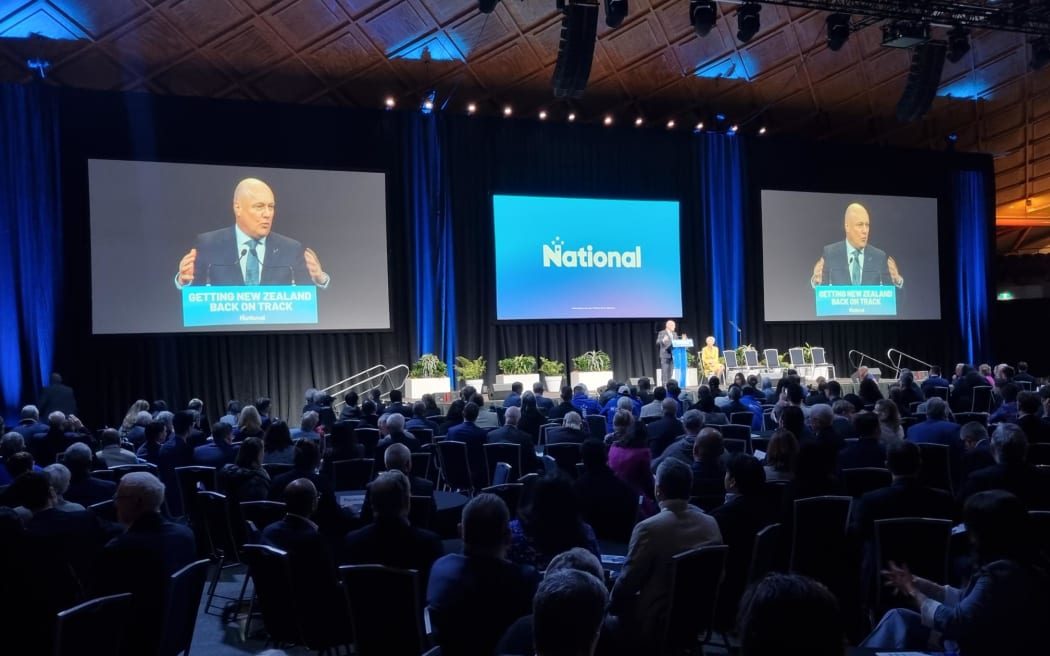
596	426
696	579
936	470
421	511
566	455
219	538
424	435
385	608
919	543
768	553
105	475
502	474
184	600
981	399
421	464
121	470
742	419
262	513
734	446
455	465
963	418
1038	453
507	452
368	438
353	474
510	493
818	543
275	469
274	597
96	626
861	480
106	510
735	432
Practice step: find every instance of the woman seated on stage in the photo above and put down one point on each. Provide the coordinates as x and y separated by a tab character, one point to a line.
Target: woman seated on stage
709	359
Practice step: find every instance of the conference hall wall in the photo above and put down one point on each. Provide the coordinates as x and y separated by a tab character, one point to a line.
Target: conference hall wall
483	157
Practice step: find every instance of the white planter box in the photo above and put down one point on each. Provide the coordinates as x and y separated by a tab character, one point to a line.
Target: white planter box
527	380
553	383
592	379
415	388
476	383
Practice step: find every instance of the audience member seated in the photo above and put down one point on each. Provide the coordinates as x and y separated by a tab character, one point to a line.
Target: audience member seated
745	512
569	617
565	406
616	405
819	422
332	520
813	478
16	464
245	479
176	452
277	444
654	408
708	464
600	493
350	408
668	427
487	416
419	418
543	404
220	451
793	418
112	453
10	444
396	405
396	434
531	417
308	426
30	425
977	448
933	381
342	443
431	404
474	437
890	421
1010	472
296	533
514	398
1001	610
510	434
390	540
641	595
1029	409
58	474
154	435
842	422
476	595
682	448
369	414
249	423
962	390
790	614
937	429
629	456
549	523
84	488
1008	410
62	431
142	559
705	403
571	430
781	456
868	451
583	403
453	418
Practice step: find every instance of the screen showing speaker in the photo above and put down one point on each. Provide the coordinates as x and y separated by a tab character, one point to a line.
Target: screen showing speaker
849	257
586	258
200	247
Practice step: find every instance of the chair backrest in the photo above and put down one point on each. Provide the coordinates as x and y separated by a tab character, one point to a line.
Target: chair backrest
385	608
421	511
566	454
104	474
454	464
274	592
818	542
941	392
818	355
742	419
760	444
421	464
751	358
275	469
184	600
218	528
981	399
507	452
368	438
106	510
191	480
772	358
121	470
262	513
424	435
730	358
861	480
921	543
502	473
733	445
510	493
597	426
96	626
1023	385
353	474
796	357
697	576
768	553
936	466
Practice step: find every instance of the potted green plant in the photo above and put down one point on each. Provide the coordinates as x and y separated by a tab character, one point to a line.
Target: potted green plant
518	369
471	372
428	375
593	369
553	372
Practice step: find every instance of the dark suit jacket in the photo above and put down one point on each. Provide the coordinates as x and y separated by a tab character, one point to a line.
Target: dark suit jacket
564	434
394	543
29	428
602	499
330	518
867	452
559	411
543	403
309	553
215	455
907	497
1035	428
511	435
57	397
218	260
1024	481
90	490
474	437
837	268
739	520
176	452
976	458
662	432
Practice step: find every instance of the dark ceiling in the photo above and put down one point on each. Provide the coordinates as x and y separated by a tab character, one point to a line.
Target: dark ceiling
358	52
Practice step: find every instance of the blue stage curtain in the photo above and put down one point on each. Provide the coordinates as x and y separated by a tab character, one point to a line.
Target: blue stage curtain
722	198
30	239
430	222
972	214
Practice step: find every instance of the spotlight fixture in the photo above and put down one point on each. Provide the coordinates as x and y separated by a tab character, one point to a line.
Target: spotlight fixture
615	12
838	30
390	103
508	110
670	124
543	114
762	130
571	117
608	120
698	127
472	108
638	122
748	22
733	129
487	6
703	14
1040	53
427	105
958	44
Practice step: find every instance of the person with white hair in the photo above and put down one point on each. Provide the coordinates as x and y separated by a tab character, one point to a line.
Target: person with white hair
59	475
84	488
571	430
396	434
30	423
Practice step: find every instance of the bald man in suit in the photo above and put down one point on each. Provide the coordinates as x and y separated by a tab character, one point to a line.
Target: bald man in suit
854	261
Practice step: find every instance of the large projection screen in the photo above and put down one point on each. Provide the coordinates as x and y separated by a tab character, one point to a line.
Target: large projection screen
849	257
586	258
293	250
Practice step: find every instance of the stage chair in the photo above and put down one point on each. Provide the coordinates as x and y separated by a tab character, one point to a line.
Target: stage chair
819	361
751	359
796	357
732	365
772	359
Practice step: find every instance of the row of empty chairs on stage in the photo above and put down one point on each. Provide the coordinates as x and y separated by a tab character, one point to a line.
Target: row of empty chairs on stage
796	360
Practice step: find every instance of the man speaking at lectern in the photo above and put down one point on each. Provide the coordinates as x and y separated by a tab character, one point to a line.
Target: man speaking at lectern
663	344
853	261
248	253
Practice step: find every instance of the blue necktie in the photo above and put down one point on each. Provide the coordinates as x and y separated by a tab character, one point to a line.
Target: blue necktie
854	270
251	267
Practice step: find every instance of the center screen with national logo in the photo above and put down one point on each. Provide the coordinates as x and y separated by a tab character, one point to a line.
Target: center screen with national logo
586	258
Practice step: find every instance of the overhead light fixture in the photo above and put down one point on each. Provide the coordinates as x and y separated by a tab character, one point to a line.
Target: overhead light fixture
958	44
1040	53
472	108
748	21
608	120
487	6
698	127
508	110
703	14
762	130
543	114
390	103
571	116
733	129
670	124
427	105
838	30
638	122
615	12
905	34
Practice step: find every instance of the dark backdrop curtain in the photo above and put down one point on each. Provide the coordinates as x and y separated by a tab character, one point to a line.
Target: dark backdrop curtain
30	240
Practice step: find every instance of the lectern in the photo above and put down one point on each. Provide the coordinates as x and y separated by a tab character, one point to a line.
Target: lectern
680	356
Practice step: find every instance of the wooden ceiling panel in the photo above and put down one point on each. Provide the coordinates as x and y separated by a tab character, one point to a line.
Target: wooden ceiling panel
152	42
762	56
987	45
341	55
545	39
674	20
478	33
444	11
304	22
506	66
695	52
634	42
528	15
92	64
251	49
203	20
396	24
192	77
98	18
